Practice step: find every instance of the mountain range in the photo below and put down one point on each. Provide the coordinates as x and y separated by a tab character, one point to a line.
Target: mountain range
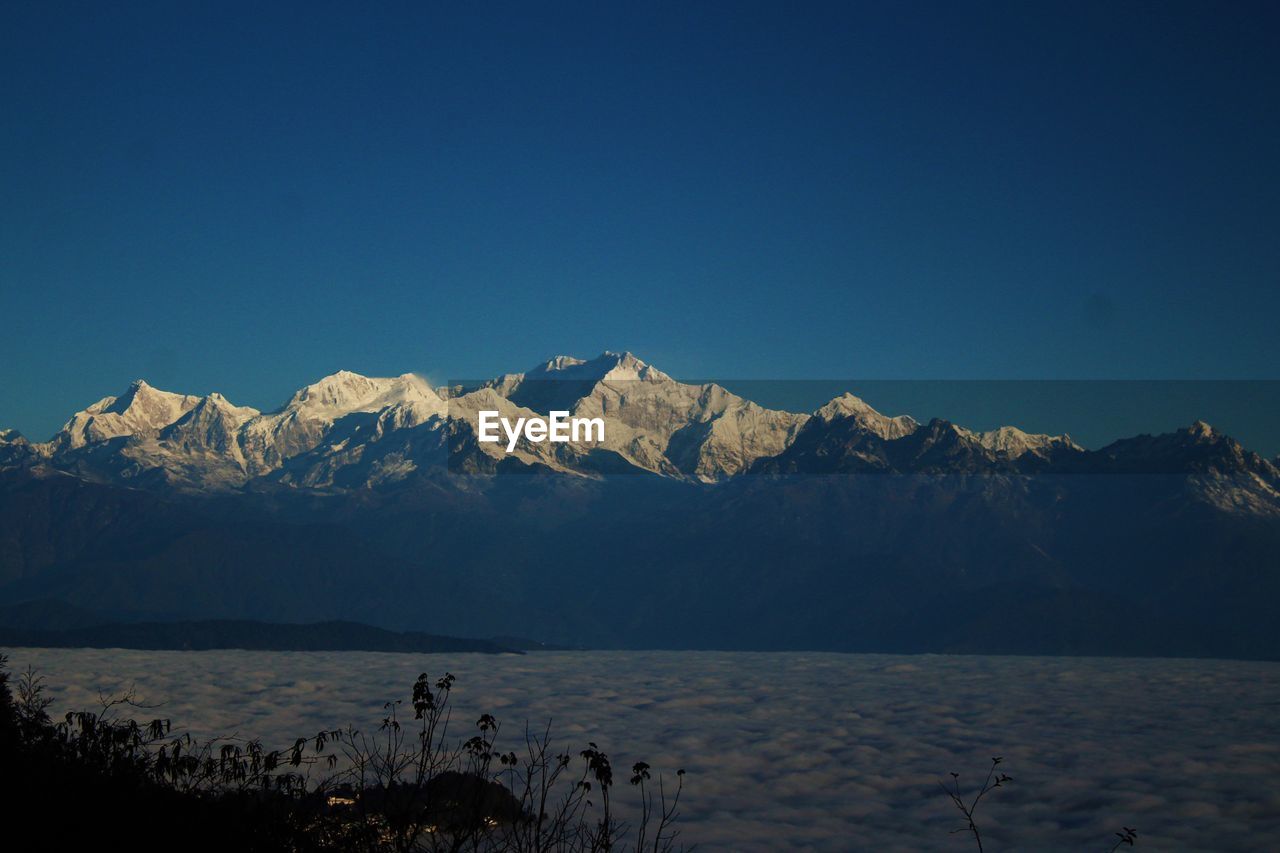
702	520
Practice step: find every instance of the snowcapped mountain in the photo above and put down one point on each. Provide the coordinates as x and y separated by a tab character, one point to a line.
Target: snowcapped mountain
849	437
313	414
348	431
859	414
359	431
740	532
701	432
14	448
140	410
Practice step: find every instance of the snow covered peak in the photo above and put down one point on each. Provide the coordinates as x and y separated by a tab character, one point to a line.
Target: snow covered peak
559	363
335	391
844	406
564	381
216	403
140	410
606	366
849	406
211	427
143	404
1007	441
1012	442
344	392
14	448
627	367
314	412
1200	429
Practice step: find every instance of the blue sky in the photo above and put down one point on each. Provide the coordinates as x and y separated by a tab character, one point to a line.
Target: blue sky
244	199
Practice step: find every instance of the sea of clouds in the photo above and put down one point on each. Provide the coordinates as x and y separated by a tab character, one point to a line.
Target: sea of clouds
803	750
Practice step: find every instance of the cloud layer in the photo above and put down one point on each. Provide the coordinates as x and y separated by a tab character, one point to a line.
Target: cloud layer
821	751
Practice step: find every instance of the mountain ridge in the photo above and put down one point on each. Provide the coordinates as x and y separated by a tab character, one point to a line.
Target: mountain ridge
703	521
349	431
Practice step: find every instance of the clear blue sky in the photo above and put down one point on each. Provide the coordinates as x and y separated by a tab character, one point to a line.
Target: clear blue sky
246	197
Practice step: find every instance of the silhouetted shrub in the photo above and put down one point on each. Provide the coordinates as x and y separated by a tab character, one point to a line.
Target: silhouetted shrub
408	786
